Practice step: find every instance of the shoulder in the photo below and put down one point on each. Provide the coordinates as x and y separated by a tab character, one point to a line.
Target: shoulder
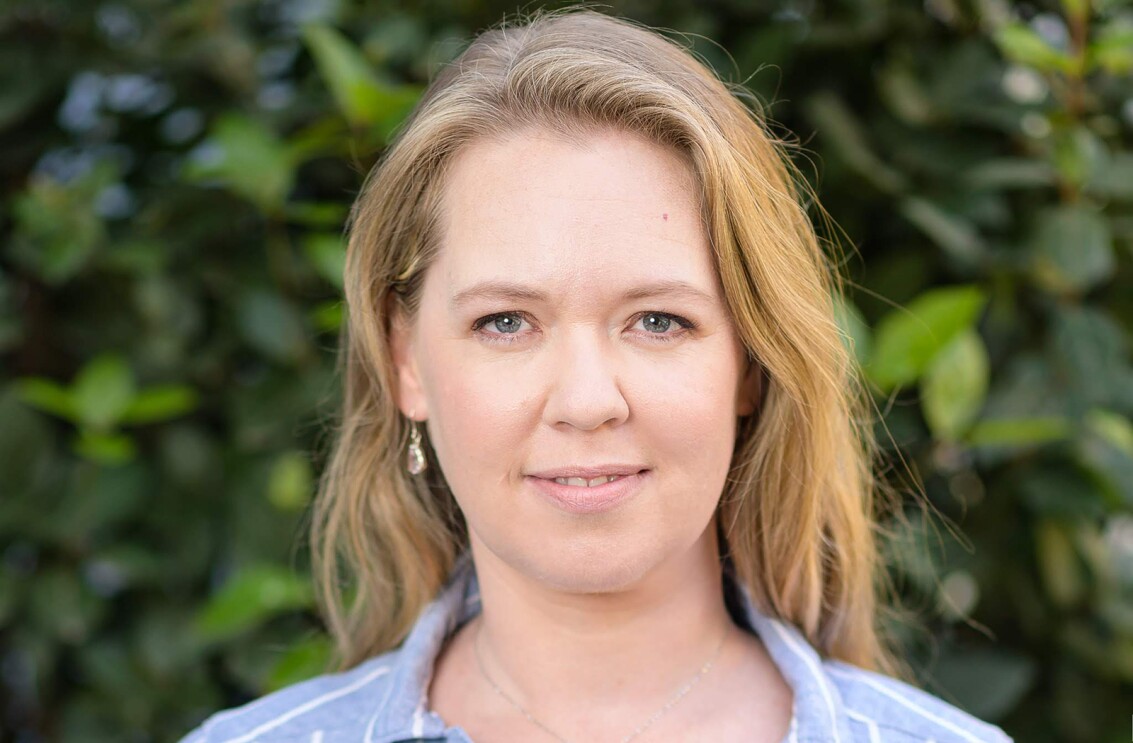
887	709
332	703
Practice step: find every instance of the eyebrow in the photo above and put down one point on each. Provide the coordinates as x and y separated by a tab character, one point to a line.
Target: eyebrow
494	289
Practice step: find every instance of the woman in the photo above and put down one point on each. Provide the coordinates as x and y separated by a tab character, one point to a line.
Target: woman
599	475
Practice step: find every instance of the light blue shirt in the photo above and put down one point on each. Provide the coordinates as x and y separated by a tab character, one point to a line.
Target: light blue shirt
383	700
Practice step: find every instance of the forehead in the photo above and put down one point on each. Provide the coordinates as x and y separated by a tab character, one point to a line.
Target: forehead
538	207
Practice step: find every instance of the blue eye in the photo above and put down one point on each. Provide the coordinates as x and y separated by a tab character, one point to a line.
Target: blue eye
660	321
657	323
508	324
504	323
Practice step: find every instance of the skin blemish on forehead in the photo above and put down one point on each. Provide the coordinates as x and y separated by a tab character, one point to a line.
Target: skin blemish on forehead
665	216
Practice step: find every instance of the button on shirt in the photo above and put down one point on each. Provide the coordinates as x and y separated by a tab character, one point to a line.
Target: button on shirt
383	700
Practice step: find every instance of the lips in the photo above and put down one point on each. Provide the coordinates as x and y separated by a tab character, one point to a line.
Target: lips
589	472
578	499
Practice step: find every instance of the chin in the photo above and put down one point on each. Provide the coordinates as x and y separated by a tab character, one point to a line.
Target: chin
595	578
590	566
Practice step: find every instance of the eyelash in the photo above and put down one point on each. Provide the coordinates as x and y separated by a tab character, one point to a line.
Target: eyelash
506	338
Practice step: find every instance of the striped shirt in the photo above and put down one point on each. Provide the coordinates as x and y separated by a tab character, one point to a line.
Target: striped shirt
383	700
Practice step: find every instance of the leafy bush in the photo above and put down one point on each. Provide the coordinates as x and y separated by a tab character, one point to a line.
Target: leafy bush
176	177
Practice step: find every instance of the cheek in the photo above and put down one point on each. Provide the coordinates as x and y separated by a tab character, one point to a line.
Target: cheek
693	397
690	414
479	419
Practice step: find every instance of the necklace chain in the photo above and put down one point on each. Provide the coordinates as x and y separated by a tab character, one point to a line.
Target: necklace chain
637	731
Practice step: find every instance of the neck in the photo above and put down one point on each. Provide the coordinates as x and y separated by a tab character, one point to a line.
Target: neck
620	655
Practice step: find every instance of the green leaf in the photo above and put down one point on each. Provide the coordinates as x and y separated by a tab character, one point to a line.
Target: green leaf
1022	44
1058	563
105	448
1019	432
160	403
248	158
954	234
291	482
1073	249
102	391
327	254
1112	427
904	92
303	660
329	136
349	76
955	386
1079	154
317	214
1113	178
1106	450
1011	173
58	228
48	396
328	316
1112	48
256	594
907	340
363	100
830	116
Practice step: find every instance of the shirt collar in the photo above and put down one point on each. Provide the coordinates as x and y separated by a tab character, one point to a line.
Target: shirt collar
818	712
404	716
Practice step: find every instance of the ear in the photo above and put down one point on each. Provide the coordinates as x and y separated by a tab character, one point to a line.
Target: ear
409	392
750	389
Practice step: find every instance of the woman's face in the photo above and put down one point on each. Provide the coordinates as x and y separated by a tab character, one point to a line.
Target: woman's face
573	318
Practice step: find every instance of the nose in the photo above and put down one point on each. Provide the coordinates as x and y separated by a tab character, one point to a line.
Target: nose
585	391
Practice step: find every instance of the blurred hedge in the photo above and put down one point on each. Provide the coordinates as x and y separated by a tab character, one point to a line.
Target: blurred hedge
175	177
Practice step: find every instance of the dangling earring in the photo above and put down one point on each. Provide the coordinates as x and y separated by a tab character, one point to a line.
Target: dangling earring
416	457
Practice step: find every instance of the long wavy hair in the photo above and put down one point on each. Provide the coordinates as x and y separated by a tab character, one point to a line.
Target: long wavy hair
797	516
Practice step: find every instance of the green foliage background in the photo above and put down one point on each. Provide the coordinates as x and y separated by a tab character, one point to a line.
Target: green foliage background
175	177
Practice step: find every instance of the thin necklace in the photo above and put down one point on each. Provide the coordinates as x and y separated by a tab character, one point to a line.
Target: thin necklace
638	731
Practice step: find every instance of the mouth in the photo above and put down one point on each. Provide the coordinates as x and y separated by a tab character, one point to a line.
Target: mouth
590	495
589	482
590	472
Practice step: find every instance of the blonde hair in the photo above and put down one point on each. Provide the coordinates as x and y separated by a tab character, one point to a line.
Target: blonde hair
796	515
